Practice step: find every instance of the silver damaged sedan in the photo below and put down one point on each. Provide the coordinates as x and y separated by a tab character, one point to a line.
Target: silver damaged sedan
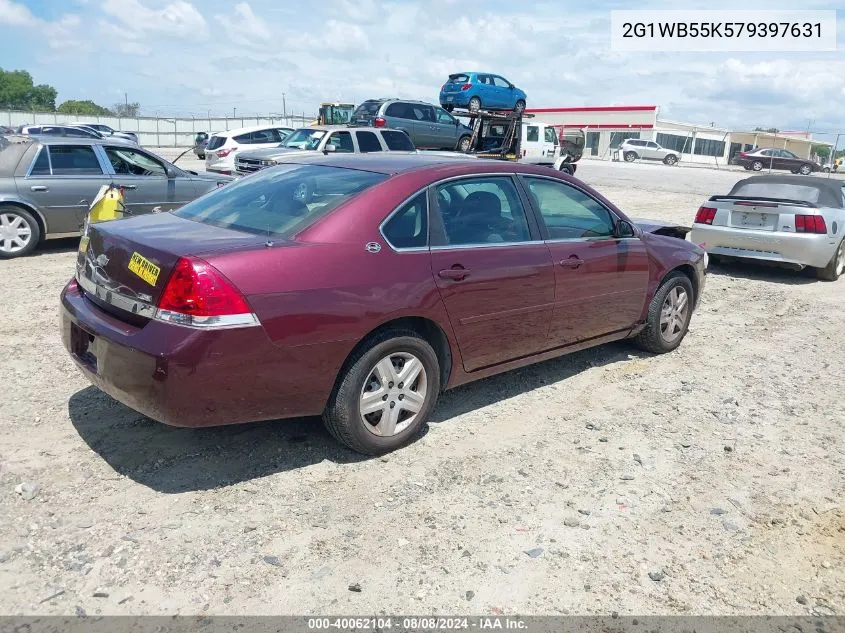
795	221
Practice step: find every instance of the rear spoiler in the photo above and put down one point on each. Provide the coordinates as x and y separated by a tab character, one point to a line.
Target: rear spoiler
785	201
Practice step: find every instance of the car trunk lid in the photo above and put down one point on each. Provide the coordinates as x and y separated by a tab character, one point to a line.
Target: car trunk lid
124	265
759	214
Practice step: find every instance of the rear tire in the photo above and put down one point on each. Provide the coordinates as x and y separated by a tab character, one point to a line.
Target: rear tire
835	267
630	157
667	321
363	376
19	231
474	104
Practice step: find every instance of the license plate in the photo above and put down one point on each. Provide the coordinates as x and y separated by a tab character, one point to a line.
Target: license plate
144	268
754	220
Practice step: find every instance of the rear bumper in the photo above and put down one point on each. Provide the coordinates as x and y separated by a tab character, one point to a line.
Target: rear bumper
460	99
788	248
187	377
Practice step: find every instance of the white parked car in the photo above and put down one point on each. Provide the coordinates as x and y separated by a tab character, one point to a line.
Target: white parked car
791	220
223	146
634	148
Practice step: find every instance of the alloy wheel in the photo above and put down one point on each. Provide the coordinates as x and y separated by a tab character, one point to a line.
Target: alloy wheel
673	314
15	232
393	394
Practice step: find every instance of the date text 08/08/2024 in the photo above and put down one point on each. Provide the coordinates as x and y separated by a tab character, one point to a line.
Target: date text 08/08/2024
416	623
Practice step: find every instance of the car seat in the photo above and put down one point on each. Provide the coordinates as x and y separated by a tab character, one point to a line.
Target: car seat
480	220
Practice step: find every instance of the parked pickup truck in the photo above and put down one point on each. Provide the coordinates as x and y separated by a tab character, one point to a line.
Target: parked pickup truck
325	138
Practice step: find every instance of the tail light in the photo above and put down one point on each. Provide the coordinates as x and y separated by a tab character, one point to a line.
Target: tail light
810	224
198	295
705	215
379	122
466	86
743	155
223	153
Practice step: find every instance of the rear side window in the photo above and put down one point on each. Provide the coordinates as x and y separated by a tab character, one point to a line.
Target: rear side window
216	141
259	136
397	141
74	160
408	228
368	142
400	111
42	164
281	201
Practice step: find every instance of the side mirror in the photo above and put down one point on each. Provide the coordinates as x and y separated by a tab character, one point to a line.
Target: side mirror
329	148
625	229
171	172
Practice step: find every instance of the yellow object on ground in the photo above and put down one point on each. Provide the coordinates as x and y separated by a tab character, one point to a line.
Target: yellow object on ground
108	205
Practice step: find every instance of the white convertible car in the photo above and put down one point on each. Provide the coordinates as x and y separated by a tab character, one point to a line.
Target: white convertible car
796	221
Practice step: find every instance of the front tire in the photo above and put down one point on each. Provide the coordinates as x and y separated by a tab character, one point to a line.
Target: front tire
671	159
630	157
669	315
463	143
385	393
805	169
757	165
836	267
19	232
519	108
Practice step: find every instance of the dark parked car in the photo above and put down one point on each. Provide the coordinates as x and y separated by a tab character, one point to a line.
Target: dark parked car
414	275
200	143
774	158
428	126
71	131
48	183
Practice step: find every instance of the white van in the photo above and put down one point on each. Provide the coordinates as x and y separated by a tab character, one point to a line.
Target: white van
539	145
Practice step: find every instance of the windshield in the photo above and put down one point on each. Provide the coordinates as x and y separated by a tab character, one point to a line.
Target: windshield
279	201
304	138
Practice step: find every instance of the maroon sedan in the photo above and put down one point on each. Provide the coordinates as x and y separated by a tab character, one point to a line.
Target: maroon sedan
360	287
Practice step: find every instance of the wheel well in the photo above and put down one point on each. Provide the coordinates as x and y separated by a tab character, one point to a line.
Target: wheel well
41	226
427	329
688	271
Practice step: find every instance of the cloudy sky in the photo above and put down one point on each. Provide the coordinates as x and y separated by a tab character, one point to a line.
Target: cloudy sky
189	57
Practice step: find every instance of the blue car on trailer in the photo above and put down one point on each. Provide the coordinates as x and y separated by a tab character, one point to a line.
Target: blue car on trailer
477	90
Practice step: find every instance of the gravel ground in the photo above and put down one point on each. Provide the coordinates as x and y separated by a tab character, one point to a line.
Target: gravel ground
706	481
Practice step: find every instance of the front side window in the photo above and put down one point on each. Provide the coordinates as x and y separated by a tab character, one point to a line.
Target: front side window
408	228
74	160
569	213
134	163
550	135
485	210
368	142
397	141
444	117
533	134
272	201
342	142
500	82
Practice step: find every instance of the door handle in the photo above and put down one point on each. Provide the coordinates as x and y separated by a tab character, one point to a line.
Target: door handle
455	274
38	188
572	262
128	187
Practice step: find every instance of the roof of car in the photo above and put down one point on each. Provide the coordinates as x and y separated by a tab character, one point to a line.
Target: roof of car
252	128
830	190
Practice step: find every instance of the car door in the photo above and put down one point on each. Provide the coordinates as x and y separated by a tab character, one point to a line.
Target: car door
789	160
601	281
487	92
505	93
146	181
425	125
651	150
400	115
63	182
445	130
531	143
494	273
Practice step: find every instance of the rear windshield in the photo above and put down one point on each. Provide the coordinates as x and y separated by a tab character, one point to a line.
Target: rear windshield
216	141
279	201
781	191
368	108
397	141
458	79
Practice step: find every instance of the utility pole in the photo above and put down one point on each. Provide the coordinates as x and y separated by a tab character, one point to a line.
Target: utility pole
126	99
234	112
284	106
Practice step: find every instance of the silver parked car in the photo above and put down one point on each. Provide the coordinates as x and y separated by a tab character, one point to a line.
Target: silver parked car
634	148
48	183
794	221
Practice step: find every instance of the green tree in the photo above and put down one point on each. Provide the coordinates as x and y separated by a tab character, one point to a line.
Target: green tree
822	151
17	92
72	106
127	109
